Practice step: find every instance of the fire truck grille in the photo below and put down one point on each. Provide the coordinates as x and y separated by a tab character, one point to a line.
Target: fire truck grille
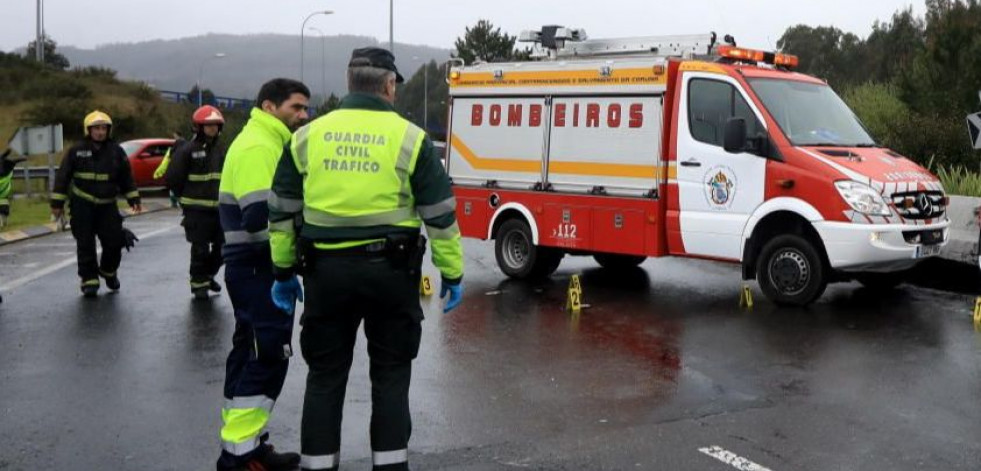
919	205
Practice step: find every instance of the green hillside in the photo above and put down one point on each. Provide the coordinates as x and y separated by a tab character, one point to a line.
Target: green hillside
32	94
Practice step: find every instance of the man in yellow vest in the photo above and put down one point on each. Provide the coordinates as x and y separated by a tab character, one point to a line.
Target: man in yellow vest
362	180
261	348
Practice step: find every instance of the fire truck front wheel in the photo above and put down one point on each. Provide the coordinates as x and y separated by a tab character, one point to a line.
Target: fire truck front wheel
790	271
518	257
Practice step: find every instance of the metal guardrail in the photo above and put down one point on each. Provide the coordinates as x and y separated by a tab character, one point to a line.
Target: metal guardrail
33	172
43	174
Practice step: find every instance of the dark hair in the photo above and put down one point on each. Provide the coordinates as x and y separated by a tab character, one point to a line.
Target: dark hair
279	90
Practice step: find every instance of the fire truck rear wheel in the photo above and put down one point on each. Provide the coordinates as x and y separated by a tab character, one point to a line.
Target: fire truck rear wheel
518	257
791	271
613	261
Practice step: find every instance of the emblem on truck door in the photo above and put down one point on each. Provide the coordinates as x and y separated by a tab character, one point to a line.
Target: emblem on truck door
720	187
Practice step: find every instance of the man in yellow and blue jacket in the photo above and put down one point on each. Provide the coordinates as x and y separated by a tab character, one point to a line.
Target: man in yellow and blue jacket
261	349
361	182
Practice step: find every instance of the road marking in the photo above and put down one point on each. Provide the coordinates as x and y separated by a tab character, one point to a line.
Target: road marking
732	459
62	264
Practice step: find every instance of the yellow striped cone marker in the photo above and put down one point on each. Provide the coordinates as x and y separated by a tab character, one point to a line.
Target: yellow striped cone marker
746	298
574	295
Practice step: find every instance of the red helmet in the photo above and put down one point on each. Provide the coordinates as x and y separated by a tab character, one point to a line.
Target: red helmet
207	114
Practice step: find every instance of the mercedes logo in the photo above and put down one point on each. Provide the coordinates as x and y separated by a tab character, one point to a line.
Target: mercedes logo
923	204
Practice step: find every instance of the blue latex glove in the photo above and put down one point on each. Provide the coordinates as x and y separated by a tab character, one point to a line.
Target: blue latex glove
455	293
286	293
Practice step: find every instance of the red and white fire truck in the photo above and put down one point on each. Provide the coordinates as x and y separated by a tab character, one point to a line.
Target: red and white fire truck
682	146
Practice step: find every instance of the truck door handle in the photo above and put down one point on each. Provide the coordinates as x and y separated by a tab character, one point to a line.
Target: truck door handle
691	163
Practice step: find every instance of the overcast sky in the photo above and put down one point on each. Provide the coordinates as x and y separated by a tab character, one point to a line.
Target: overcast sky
754	23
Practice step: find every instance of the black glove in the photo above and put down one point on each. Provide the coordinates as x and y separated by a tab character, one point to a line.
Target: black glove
129	239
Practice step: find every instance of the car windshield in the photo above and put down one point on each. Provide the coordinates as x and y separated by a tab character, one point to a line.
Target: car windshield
811	114
130	147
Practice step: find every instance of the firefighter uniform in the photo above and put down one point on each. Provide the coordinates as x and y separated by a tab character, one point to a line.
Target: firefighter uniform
91	176
193	176
363	181
259	359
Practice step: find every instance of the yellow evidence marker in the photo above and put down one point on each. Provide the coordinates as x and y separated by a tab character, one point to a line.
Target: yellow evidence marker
746	298
574	295
426	286
977	312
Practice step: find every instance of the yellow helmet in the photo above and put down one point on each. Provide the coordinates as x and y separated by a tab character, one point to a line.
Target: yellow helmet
96	118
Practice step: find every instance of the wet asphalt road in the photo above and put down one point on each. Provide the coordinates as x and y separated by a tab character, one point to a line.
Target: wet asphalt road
662	364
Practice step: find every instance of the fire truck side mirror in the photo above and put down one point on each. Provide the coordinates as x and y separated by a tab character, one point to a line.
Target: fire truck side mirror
734	136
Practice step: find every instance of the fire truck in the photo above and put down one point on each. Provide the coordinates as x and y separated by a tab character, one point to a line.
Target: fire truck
687	146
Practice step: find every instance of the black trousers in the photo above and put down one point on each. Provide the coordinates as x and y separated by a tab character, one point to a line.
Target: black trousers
259	360
341	291
89	221
202	228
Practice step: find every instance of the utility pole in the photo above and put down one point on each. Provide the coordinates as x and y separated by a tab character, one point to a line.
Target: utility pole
39	41
391	26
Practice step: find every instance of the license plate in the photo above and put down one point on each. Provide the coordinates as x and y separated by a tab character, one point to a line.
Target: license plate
927	251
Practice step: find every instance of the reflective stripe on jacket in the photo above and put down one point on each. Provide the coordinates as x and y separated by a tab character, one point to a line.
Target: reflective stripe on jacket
244	189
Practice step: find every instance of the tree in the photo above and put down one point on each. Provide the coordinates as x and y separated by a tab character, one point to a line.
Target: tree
207	96
487	43
51	56
410	97
826	52
330	104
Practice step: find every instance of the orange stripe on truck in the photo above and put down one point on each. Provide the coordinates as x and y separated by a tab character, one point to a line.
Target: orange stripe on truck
597	169
559	78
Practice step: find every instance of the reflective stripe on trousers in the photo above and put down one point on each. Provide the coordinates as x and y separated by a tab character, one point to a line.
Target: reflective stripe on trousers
316	462
245	421
385	458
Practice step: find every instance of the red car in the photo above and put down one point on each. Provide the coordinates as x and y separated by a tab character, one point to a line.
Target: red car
145	156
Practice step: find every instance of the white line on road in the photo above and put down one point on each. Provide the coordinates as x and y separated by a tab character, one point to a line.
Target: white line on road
62	264
732	459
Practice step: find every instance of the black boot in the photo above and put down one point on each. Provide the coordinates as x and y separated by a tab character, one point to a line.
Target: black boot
90	288
268	459
214	286
112	281
200	294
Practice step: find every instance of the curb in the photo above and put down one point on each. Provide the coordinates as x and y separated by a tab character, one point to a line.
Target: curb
32	232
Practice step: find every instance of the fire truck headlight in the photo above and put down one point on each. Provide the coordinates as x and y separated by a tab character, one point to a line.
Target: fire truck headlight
862	198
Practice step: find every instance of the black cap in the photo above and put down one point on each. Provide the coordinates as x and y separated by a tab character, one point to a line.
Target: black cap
375	57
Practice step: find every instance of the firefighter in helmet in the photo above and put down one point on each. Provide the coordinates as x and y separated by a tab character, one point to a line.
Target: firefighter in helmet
193	176
93	174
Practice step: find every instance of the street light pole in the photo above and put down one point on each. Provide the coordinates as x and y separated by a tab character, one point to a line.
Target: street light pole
323	61
304	27
391	26
425	94
218	55
39	41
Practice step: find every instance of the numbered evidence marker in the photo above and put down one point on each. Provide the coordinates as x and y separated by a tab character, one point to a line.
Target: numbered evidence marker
746	298
426	286
574	296
977	312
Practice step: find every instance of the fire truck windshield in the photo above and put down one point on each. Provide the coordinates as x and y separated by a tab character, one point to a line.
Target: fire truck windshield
811	114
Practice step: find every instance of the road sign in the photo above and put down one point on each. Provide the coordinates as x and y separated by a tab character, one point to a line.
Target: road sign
974	129
36	140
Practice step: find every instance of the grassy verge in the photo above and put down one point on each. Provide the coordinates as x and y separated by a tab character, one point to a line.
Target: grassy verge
26	212
959	181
